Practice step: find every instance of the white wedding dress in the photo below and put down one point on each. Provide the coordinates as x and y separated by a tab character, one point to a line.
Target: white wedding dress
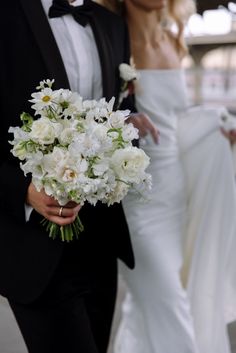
184	235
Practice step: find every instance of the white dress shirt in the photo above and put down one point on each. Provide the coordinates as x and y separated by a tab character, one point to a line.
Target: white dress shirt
80	56
79	53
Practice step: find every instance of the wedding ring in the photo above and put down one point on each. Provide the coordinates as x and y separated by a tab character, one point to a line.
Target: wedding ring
60	211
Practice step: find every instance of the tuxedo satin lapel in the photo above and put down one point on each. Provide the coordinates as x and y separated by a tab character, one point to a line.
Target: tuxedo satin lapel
41	29
106	58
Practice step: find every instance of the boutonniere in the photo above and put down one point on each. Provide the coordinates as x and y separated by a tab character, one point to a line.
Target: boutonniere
128	75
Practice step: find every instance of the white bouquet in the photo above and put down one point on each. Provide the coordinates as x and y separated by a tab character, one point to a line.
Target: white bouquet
78	150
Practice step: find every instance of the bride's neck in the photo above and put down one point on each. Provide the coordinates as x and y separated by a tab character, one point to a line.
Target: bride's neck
152	46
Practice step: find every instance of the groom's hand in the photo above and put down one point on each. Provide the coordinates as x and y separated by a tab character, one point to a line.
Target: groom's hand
145	125
49	208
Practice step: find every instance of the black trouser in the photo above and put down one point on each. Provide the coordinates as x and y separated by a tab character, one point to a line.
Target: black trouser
74	314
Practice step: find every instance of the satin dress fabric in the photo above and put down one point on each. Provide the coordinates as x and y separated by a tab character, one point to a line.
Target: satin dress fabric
182	290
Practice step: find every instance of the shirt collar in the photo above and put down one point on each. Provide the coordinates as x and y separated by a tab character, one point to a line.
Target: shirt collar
47	3
77	2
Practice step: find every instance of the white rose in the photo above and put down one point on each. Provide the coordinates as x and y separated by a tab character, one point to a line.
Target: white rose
129	164
127	72
55	163
44	131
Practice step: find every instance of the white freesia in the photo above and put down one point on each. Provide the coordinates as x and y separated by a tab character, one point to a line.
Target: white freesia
86	145
100	167
19	134
34	165
67	135
19	150
121	190
78	150
72	103
117	119
45	83
130	133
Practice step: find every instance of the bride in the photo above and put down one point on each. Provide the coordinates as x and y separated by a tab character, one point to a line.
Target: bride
184	235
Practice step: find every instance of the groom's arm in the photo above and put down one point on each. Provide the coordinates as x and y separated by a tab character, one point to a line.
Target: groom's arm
13	188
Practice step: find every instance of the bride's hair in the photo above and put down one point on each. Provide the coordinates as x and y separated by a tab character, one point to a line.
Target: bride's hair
113	5
175	15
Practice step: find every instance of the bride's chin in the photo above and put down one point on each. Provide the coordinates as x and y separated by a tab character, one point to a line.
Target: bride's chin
149	5
161	6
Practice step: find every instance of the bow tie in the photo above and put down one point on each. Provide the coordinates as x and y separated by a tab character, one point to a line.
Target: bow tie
80	13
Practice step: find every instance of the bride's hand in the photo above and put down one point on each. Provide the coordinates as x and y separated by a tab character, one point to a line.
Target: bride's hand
144	124
230	135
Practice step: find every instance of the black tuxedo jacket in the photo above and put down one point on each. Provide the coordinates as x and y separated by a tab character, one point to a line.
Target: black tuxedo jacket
29	54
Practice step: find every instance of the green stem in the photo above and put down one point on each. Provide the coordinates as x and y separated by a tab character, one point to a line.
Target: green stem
66	233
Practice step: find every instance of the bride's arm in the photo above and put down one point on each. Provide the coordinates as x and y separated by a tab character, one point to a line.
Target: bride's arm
228	127
230	135
144	124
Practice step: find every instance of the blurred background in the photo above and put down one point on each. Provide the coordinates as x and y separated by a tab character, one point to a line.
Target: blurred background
211	63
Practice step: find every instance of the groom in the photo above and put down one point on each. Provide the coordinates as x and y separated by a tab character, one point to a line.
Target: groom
62	295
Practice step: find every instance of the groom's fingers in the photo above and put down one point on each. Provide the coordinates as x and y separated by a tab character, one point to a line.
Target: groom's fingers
64	212
62	221
62	215
49	208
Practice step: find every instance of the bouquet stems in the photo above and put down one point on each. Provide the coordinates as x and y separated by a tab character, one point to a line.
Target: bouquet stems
66	233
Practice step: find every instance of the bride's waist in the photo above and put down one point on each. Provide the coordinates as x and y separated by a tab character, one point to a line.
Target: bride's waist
166	153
